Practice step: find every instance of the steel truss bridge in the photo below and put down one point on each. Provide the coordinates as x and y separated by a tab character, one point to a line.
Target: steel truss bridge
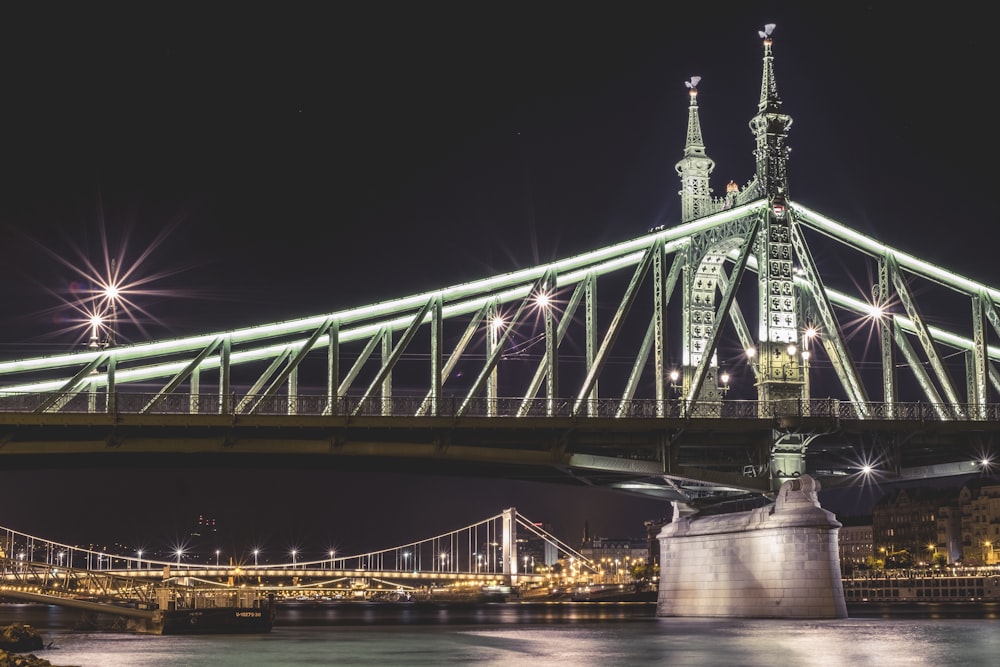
544	393
754	341
503	550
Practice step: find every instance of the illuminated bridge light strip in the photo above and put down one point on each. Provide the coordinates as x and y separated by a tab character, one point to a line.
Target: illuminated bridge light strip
600	261
859	241
364	332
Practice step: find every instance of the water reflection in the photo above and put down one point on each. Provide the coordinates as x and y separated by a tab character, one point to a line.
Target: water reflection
364	613
518	634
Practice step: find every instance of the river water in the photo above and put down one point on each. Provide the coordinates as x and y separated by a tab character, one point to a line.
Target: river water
531	634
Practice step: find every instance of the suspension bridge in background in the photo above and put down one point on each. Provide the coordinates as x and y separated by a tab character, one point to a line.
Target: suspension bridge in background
502	553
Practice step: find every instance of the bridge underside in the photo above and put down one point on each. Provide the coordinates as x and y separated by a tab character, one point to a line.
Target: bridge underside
684	459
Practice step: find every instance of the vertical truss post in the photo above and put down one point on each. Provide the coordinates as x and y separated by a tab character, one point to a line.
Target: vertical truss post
112	390
493	326
225	398
661	297
977	375
194	400
91	396
885	335
333	368
437	355
551	353
590	316
387	379
293	387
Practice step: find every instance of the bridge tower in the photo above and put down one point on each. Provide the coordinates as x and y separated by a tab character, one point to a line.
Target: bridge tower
780	371
778	355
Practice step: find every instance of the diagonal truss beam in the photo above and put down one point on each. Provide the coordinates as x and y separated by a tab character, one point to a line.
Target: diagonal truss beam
833	341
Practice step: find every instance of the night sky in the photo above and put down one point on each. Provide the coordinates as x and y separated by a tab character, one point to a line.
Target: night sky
260	164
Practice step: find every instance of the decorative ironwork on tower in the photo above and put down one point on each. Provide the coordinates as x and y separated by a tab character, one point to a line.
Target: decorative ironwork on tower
695	167
780	362
770	127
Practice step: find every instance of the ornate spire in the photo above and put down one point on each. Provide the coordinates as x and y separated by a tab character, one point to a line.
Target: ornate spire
769	100
695	167
770	127
780	373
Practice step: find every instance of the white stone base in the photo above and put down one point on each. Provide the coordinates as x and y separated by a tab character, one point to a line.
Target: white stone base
779	561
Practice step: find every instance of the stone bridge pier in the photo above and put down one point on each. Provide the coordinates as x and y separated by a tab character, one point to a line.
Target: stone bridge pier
777	561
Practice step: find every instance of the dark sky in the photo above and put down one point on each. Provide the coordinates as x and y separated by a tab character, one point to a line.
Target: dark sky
258	164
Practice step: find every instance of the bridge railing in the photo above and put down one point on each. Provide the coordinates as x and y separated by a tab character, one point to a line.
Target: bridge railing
418	406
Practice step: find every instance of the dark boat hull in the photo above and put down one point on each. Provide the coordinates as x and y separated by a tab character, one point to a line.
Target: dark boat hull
220	620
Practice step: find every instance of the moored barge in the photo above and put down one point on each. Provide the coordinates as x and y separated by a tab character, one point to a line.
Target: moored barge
206	612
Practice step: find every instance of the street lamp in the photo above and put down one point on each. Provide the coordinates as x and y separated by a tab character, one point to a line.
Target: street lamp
180	552
139	563
406	559
111	295
332	552
675	376
293	557
95	332
216	558
255	552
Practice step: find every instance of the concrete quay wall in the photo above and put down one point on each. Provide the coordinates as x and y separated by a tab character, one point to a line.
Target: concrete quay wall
778	561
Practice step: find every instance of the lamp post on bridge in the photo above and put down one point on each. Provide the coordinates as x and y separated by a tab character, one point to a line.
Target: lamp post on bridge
255	552
216	558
